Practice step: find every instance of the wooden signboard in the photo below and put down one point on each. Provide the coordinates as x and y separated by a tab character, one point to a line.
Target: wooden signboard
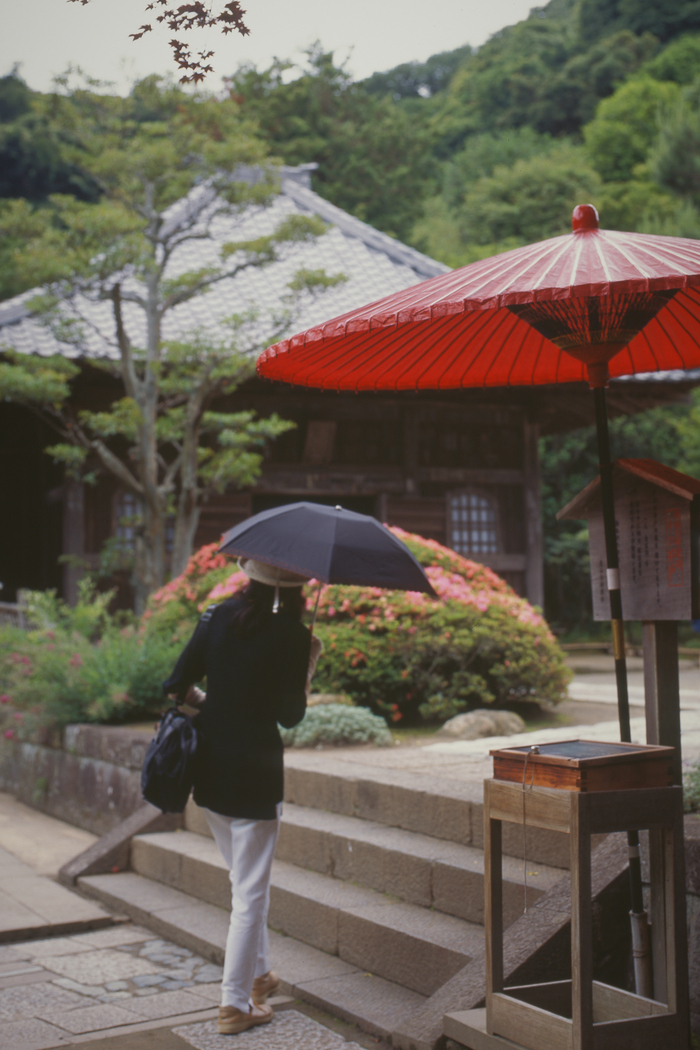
657	512
586	765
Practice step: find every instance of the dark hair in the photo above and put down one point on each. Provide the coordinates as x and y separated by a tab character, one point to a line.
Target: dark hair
255	603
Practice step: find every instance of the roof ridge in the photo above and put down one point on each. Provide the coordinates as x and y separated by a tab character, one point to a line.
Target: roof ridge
355	227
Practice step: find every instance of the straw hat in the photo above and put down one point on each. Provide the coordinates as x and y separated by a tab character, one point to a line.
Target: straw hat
271	574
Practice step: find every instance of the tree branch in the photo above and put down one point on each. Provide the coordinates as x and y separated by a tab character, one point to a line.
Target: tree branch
129	377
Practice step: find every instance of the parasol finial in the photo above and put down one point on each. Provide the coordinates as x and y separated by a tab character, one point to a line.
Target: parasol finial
585	217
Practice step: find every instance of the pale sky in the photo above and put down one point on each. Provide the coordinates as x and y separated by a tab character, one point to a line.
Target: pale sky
45	36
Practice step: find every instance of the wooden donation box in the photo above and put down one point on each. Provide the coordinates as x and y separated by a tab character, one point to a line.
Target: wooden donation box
657	511
586	788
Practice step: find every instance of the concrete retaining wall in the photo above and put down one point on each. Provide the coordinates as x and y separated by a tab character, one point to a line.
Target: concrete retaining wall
91	780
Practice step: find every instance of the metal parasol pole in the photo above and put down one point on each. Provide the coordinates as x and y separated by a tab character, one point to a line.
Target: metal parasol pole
640	928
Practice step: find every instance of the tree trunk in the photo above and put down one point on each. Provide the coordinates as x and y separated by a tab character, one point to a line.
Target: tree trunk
185	530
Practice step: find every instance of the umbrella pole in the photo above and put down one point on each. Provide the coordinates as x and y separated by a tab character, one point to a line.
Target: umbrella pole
640	928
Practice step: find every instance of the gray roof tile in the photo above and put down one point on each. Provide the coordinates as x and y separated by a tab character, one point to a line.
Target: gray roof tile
374	264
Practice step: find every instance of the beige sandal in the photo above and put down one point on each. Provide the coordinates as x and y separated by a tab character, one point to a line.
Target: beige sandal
233	1020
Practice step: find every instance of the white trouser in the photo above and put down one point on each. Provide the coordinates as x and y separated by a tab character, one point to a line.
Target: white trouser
247	847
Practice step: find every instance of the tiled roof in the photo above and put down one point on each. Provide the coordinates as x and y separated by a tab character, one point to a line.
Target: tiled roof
373	263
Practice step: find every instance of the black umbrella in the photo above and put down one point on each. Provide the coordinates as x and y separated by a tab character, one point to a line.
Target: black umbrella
330	544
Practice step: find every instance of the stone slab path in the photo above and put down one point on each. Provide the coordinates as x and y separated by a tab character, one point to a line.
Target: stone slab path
33	905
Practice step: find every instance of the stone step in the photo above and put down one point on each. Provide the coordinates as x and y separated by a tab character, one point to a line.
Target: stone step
420	869
450	810
429	872
413	946
341	988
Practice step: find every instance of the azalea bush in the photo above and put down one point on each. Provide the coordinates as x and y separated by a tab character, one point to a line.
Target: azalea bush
405	655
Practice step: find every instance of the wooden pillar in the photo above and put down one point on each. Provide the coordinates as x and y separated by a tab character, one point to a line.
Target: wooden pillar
661	689
534	543
410	447
662	708
73	537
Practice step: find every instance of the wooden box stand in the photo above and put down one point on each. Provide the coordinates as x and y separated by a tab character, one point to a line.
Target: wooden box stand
583	1014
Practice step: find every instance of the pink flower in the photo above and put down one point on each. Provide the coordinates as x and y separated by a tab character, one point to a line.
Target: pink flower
4	699
76	660
9	734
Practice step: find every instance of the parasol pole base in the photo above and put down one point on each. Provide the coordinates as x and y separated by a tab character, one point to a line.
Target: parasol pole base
598	376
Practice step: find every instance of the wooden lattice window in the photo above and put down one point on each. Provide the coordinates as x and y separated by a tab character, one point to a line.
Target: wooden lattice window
473	523
127	513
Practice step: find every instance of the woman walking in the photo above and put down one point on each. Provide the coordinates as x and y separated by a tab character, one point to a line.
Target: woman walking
258	659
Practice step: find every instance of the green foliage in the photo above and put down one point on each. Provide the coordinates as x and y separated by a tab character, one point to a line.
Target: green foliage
691	788
161	440
531	200
687	427
664	18
339	725
374	158
568	463
528	201
418	79
679	61
485	152
625	126
438	665
675	158
79	664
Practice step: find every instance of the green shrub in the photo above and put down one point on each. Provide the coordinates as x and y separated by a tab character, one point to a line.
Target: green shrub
691	788
337	724
79	665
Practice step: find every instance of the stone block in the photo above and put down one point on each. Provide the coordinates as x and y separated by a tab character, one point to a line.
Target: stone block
166	1004
85	791
321	790
195	820
155	862
378	944
298	963
363	998
30	1035
113	851
306	847
401	874
205	881
313	922
90	1018
458	892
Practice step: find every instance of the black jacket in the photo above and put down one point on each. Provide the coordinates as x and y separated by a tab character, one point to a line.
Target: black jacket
252	684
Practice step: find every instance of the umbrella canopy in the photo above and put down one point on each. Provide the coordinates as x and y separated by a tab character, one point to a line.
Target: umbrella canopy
330	544
545	313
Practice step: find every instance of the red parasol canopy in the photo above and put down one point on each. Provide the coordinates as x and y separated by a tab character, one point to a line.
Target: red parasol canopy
537	314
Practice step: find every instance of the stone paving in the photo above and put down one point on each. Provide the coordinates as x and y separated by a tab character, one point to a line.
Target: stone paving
290	1030
62	987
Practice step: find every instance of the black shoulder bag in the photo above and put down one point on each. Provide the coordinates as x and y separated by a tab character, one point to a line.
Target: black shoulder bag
167	774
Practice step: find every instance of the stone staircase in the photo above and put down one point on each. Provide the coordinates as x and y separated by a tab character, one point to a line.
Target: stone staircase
377	888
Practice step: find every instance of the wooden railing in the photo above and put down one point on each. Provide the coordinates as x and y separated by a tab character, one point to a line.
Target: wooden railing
11	612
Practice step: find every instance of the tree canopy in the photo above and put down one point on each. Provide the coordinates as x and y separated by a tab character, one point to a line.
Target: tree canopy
165	183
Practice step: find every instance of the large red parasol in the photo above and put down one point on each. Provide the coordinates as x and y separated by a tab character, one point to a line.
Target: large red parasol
534	315
588	305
